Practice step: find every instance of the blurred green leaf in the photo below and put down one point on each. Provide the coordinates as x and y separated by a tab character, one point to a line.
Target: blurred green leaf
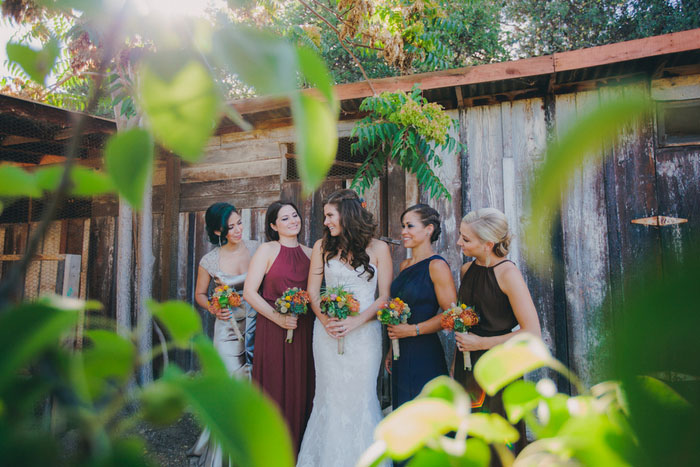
109	360
477	454
248	426
552	414
182	109
594	440
509	361
520	398
16	181
444	387
492	428
86	181
566	155
316	73
36	63
409	427
317	140
129	161
162	403
266	62
180	320
209	358
128	452
20	342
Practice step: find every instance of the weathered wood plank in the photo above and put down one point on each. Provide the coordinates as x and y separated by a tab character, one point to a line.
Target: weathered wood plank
223	187
101	274
586	256
240	152
485	167
31	278
171	214
240	200
49	269
676	88
231	171
395	205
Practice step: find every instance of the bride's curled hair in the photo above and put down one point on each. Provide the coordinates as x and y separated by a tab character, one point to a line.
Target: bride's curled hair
491	225
358	229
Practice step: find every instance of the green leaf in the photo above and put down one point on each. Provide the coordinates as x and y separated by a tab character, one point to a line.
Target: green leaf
248	425
594	440
90	182
477	454
317	139
520	398
180	319
162	402
492	428
264	61
20	342
444	387
209	358
182	107
15	181
509	361
316	73
111	358
408	428
129	161
36	63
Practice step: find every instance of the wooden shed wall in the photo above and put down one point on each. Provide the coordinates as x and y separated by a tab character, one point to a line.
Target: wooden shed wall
596	247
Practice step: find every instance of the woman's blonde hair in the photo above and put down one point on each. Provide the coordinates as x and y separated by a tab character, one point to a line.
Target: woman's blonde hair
490	225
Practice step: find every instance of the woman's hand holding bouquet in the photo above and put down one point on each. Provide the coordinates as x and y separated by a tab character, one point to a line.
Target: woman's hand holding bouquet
293	301
395	311
338	303
460	318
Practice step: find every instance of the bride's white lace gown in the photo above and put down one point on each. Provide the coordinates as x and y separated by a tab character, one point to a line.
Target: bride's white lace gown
345	409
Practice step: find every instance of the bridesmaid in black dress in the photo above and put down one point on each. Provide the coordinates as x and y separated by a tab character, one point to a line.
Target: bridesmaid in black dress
495	288
425	283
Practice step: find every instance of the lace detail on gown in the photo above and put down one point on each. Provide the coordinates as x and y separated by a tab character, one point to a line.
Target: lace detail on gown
345	408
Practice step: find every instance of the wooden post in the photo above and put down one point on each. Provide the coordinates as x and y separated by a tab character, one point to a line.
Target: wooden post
145	276
170	235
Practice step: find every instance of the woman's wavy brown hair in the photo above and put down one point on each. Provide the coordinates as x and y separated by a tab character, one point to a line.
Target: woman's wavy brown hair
358	226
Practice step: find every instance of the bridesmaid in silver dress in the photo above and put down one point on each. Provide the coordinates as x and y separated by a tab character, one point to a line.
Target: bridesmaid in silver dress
226	264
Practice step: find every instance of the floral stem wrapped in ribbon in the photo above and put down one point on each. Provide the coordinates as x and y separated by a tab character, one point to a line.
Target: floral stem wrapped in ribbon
226	298
460	318
395	311
294	301
338	303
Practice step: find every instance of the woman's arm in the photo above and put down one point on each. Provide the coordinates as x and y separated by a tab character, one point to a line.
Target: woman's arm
201	295
513	285
446	294
263	257
384	271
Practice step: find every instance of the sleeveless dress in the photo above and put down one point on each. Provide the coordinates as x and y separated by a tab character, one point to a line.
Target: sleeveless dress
206	452
285	371
479	288
422	357
346	408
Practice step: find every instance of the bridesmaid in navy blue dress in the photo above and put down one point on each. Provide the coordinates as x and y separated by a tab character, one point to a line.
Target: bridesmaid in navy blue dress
425	283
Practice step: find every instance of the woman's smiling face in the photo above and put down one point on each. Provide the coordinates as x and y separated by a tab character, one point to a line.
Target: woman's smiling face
331	219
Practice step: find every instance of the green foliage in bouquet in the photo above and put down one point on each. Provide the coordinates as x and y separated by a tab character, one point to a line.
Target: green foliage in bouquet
337	302
407	129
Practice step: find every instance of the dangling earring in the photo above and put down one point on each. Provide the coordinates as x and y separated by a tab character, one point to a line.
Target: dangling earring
219	241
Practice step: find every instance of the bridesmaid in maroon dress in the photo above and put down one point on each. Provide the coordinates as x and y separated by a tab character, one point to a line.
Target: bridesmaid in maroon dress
285	371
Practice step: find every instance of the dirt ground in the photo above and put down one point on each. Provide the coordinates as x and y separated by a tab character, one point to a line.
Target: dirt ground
168	446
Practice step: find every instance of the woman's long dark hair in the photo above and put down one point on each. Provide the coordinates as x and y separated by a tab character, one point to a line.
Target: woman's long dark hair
358	229
271	218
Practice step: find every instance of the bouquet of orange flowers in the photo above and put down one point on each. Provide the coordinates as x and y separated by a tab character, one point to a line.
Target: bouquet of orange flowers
225	297
338	303
395	311
294	301
460	318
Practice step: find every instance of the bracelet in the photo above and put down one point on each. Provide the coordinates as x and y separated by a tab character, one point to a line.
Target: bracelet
417	330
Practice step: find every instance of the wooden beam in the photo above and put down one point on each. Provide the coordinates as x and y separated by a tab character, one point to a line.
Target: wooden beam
39	257
170	233
14	139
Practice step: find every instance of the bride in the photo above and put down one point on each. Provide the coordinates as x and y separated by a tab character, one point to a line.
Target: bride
345	408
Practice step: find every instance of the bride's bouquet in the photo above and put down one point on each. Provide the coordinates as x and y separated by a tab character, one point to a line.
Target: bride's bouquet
395	311
294	301
226	298
338	303
460	318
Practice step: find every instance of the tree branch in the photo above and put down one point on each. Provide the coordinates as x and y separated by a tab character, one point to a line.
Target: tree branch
342	44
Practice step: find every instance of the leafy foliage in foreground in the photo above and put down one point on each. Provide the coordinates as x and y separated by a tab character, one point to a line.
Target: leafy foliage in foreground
409	130
86	395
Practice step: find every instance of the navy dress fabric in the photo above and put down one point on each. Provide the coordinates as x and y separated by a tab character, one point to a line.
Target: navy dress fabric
422	357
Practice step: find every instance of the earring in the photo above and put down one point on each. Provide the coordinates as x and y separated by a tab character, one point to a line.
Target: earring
219	241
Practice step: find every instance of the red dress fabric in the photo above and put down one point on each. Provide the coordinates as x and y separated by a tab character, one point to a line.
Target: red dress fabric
285	371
